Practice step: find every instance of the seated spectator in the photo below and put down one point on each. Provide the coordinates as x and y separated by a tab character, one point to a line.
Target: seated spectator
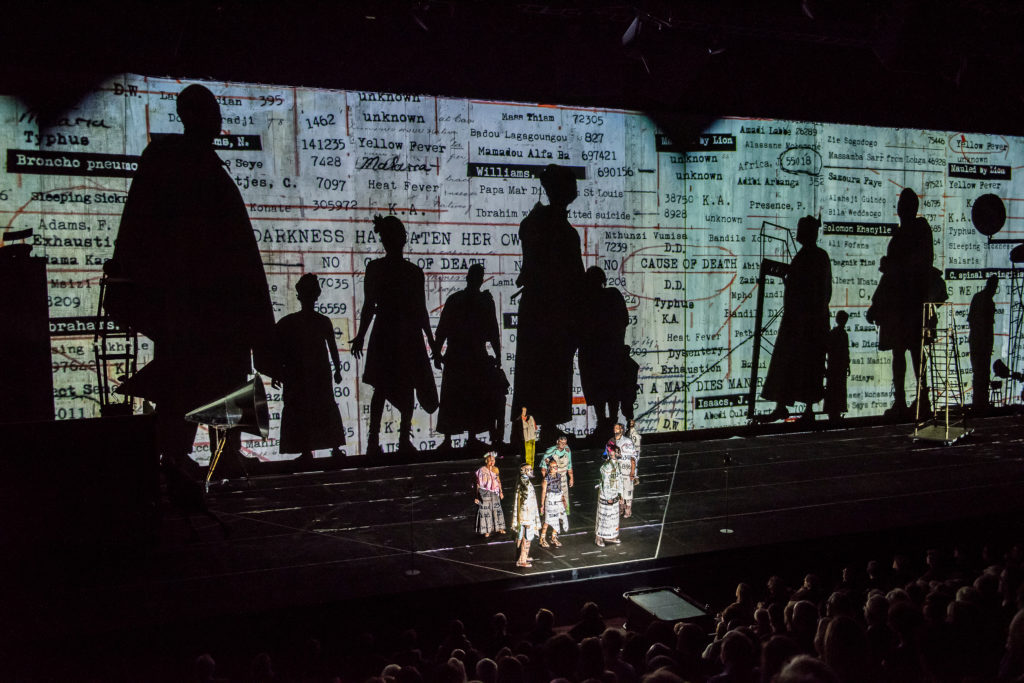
561	655
612	641
806	669
543	627
778	592
510	670
487	671
591	663
804	625
775	653
591	623
880	638
497	636
743	609
846	651
737	658
811	591
690	643
907	622
875	579
762	624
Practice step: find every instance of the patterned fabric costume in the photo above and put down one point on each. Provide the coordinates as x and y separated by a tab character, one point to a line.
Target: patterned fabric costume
554	505
564	460
525	515
627	456
489	516
608	492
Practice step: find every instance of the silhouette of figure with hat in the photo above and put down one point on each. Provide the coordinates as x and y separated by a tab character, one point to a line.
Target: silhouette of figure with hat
310	419
397	366
551	279
187	273
896	306
797	368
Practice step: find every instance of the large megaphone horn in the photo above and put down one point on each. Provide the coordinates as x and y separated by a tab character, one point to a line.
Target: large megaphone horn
244	408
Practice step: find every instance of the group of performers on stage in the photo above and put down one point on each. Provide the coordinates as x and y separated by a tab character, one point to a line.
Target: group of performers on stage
617	478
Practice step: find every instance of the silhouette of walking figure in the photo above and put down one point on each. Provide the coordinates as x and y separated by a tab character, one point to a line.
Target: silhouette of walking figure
473	386
797	368
838	368
896	306
607	373
396	359
187	273
551	280
306	348
981	318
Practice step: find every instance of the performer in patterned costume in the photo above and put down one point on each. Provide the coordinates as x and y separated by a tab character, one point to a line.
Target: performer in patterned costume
489	516
563	456
554	499
609	491
627	468
525	516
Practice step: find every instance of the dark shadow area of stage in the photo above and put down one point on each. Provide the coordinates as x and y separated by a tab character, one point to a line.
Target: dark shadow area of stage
327	538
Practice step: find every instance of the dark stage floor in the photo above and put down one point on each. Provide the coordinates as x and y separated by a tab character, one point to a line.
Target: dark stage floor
329	537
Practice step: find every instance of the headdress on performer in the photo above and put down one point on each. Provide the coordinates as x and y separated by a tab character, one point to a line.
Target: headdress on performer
391	231
609	449
308	286
490	454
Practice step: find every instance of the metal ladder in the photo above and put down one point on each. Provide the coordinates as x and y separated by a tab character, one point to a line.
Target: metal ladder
946	419
116	351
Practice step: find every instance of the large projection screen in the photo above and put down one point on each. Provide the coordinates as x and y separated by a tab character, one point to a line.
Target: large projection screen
675	223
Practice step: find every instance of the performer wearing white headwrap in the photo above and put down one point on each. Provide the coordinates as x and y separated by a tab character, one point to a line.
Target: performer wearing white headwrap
609	492
525	515
627	468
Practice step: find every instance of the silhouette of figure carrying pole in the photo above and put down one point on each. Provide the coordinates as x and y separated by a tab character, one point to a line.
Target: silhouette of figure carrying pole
551	280
187	273
981	318
306	348
473	386
797	368
397	366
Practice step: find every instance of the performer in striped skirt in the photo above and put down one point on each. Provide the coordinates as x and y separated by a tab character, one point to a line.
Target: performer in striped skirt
554	501
609	491
489	516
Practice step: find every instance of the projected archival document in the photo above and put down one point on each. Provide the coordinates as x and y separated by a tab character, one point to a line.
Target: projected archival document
676	224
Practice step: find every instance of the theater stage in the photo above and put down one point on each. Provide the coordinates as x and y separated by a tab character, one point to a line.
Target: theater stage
329	537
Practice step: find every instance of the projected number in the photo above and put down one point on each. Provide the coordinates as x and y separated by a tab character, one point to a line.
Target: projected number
323	144
330	184
598	155
332	308
271	100
614	172
318	160
321	121
588	119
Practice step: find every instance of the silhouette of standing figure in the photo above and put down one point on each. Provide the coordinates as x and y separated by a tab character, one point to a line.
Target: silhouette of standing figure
797	368
187	273
472	386
981	318
838	368
605	365
551	280
310	419
896	306
396	359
